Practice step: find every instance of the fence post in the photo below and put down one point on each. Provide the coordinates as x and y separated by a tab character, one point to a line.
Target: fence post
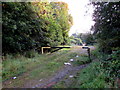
89	53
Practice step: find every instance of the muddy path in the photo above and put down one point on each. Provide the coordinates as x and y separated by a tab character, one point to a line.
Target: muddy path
59	76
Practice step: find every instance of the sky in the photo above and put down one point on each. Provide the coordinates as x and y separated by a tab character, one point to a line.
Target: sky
82	21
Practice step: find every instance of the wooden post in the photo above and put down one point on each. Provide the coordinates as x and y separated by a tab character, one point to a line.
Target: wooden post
88	50
89	53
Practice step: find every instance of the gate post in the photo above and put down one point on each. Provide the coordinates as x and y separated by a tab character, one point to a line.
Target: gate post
42	50
89	53
88	50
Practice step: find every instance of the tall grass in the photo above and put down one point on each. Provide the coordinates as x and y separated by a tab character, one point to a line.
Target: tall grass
14	66
91	77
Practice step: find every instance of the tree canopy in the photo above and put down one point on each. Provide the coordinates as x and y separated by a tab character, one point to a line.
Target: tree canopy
107	28
29	25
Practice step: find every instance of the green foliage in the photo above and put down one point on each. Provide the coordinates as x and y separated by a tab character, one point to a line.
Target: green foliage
30	54
83	59
12	68
107	28
40	66
91	77
111	65
73	54
75	40
88	38
31	25
81	38
107	33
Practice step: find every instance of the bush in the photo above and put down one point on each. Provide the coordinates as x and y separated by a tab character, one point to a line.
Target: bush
111	65
30	54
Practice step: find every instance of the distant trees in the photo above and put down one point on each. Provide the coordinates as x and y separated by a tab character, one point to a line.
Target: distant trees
31	25
81	38
107	26
75	40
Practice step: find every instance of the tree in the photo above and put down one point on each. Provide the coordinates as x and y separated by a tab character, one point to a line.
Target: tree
107	29
75	39
31	25
88	38
63	18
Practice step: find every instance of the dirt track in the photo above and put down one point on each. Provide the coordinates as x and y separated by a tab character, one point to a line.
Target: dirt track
66	70
60	76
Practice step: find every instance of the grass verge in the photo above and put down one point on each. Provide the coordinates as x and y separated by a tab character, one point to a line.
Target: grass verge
91	77
14	66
